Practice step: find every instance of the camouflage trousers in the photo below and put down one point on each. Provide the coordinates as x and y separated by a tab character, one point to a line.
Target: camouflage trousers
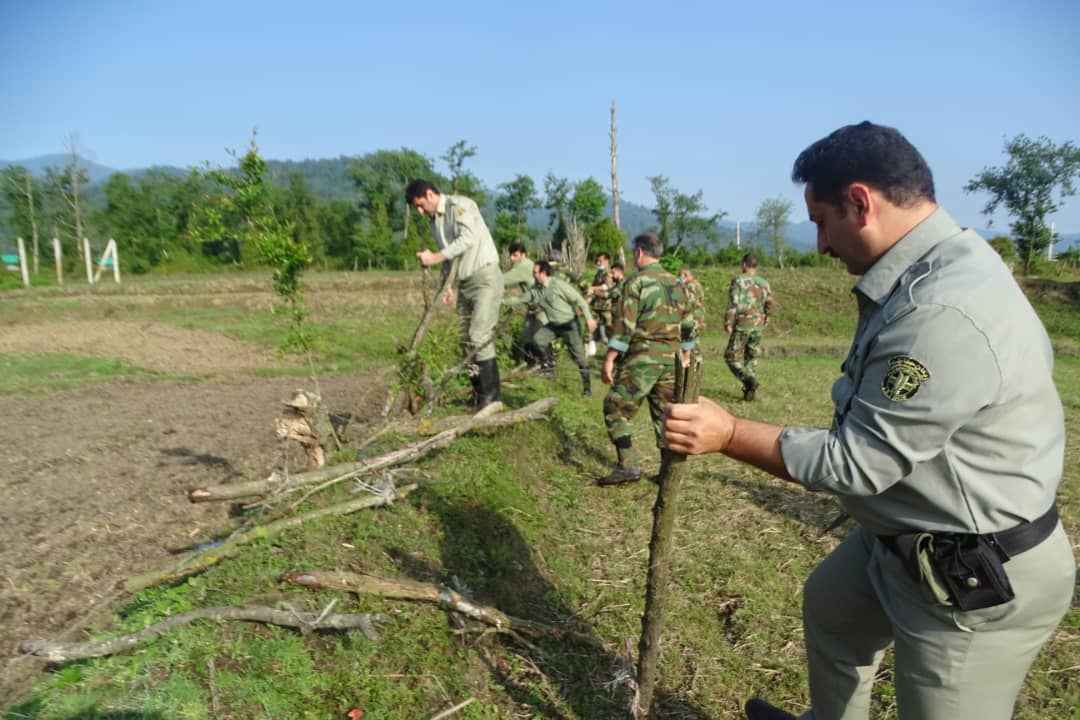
633	382
743	351
604	321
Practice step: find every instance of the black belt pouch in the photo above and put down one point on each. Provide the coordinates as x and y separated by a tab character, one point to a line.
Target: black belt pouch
972	566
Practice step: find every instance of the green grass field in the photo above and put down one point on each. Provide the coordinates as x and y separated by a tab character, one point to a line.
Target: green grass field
512	515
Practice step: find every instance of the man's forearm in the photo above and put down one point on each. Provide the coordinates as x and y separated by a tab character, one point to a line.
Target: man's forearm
758	444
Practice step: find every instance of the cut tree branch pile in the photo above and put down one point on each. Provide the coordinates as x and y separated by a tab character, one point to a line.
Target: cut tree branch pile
458	425
211	556
443	597
54	651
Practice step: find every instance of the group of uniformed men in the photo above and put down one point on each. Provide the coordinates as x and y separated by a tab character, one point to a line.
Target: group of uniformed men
946	446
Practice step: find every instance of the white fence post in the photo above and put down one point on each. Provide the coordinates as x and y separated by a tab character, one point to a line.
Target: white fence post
109	252
22	262
89	261
58	257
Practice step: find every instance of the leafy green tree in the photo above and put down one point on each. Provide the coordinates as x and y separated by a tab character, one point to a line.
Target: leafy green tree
339	223
1004	247
665	205
65	208
588	201
518	197
603	236
131	219
556	200
1026	186
773	215
688	221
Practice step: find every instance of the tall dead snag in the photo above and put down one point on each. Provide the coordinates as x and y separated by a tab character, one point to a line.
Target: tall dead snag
278	483
216	553
615	184
55	651
687	386
308	423
446	598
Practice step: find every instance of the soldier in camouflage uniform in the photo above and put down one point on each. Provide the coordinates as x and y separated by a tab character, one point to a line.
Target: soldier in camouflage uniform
750	302
652	323
599	300
562	305
697	302
614	295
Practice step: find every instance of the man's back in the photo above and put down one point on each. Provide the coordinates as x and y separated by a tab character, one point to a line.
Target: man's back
750	301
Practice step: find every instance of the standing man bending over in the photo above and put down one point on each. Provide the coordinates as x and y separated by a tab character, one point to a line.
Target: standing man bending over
947	446
521	274
652	322
460	231
750	301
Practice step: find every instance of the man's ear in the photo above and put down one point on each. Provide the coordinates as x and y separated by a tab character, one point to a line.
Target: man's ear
861	200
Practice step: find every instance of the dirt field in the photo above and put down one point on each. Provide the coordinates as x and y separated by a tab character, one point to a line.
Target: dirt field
92	480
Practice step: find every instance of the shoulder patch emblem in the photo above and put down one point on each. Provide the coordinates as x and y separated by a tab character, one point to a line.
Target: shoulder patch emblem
904	378
461	211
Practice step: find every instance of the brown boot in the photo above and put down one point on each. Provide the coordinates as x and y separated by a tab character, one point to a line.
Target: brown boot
621	475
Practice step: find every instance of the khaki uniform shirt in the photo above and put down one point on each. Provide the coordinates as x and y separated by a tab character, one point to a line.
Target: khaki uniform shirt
521	274
460	230
558	300
947	417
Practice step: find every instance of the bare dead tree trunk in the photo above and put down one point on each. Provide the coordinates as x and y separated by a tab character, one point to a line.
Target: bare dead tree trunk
577	247
615	183
54	651
76	180
687	386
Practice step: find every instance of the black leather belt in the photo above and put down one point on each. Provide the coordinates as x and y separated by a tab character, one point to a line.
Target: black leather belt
1013	541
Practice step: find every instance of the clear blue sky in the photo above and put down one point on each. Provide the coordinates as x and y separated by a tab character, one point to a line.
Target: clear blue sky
716	97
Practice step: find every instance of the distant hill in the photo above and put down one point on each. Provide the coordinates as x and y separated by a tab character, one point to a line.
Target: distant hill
37	165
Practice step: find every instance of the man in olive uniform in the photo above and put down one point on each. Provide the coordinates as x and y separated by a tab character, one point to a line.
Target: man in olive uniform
598	297
563	306
750	301
696	295
520	275
460	231
947	448
653	322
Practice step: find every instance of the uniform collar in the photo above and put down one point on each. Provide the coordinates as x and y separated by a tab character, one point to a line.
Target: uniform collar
440	209
883	275
652	267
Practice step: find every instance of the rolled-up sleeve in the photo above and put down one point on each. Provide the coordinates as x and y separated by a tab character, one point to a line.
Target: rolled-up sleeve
878	440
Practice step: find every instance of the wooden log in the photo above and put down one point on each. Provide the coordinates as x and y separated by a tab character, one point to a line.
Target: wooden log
55	651
405	589
276	483
687	386
211	556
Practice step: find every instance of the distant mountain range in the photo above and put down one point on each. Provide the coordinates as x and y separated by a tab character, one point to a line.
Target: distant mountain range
329	179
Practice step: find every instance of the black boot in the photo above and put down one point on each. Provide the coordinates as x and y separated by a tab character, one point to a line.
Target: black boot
547	362
488	391
627	471
760	710
473	371
586	383
750	386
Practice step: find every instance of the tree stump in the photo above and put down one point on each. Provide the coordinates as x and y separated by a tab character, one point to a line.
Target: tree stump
307	422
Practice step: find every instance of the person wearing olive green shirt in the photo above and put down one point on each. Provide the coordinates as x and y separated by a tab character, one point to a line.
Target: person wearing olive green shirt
462	234
562	305
520	275
946	447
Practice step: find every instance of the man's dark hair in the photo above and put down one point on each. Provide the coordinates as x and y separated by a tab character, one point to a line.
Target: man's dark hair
619	266
749	260
874	154
603	255
418	189
516	247
649	243
543	266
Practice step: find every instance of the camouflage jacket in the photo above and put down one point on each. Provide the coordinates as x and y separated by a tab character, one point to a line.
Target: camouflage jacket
601	303
653	318
697	305
750	301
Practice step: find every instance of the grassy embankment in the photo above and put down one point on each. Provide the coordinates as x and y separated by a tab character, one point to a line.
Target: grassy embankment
514	516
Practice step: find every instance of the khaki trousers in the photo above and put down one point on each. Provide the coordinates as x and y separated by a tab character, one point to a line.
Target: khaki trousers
478	300
949	664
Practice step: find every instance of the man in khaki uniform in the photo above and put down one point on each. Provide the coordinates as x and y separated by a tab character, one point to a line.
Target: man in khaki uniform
520	274
947	447
460	231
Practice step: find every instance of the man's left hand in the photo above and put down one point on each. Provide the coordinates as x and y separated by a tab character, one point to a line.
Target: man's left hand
427	258
591	324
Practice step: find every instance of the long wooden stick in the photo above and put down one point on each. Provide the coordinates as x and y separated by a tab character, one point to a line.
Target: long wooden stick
687	386
488	417
445	598
61	651
200	561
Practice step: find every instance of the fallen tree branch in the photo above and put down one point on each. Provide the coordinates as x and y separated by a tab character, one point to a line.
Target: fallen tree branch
445	598
488	417
450	711
56	651
211	556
